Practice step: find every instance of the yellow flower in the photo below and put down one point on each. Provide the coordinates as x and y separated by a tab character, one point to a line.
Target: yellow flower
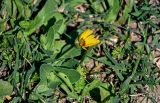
87	39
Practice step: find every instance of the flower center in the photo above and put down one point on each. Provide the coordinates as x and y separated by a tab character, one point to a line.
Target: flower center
82	42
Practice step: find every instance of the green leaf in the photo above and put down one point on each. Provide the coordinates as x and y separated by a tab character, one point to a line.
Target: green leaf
97	6
24	24
43	90
49	41
80	84
3	24
116	67
71	63
48	9
104	92
126	83
70	93
28	76
137	13
53	80
20	7
66	80
114	7
16	100
1	100
126	11
101	94
73	3
8	4
44	71
60	26
94	84
69	52
114	99
27	12
58	45
14	9
72	74
6	88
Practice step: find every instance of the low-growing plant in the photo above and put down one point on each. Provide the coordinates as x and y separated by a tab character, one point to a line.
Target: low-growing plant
84	51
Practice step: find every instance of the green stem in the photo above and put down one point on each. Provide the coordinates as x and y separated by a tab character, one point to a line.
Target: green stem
85	54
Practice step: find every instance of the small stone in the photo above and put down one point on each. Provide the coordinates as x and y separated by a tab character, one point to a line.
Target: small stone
90	64
135	37
158	63
133	25
149	40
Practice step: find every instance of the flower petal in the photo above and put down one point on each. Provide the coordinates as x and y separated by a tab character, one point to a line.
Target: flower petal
91	40
85	34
